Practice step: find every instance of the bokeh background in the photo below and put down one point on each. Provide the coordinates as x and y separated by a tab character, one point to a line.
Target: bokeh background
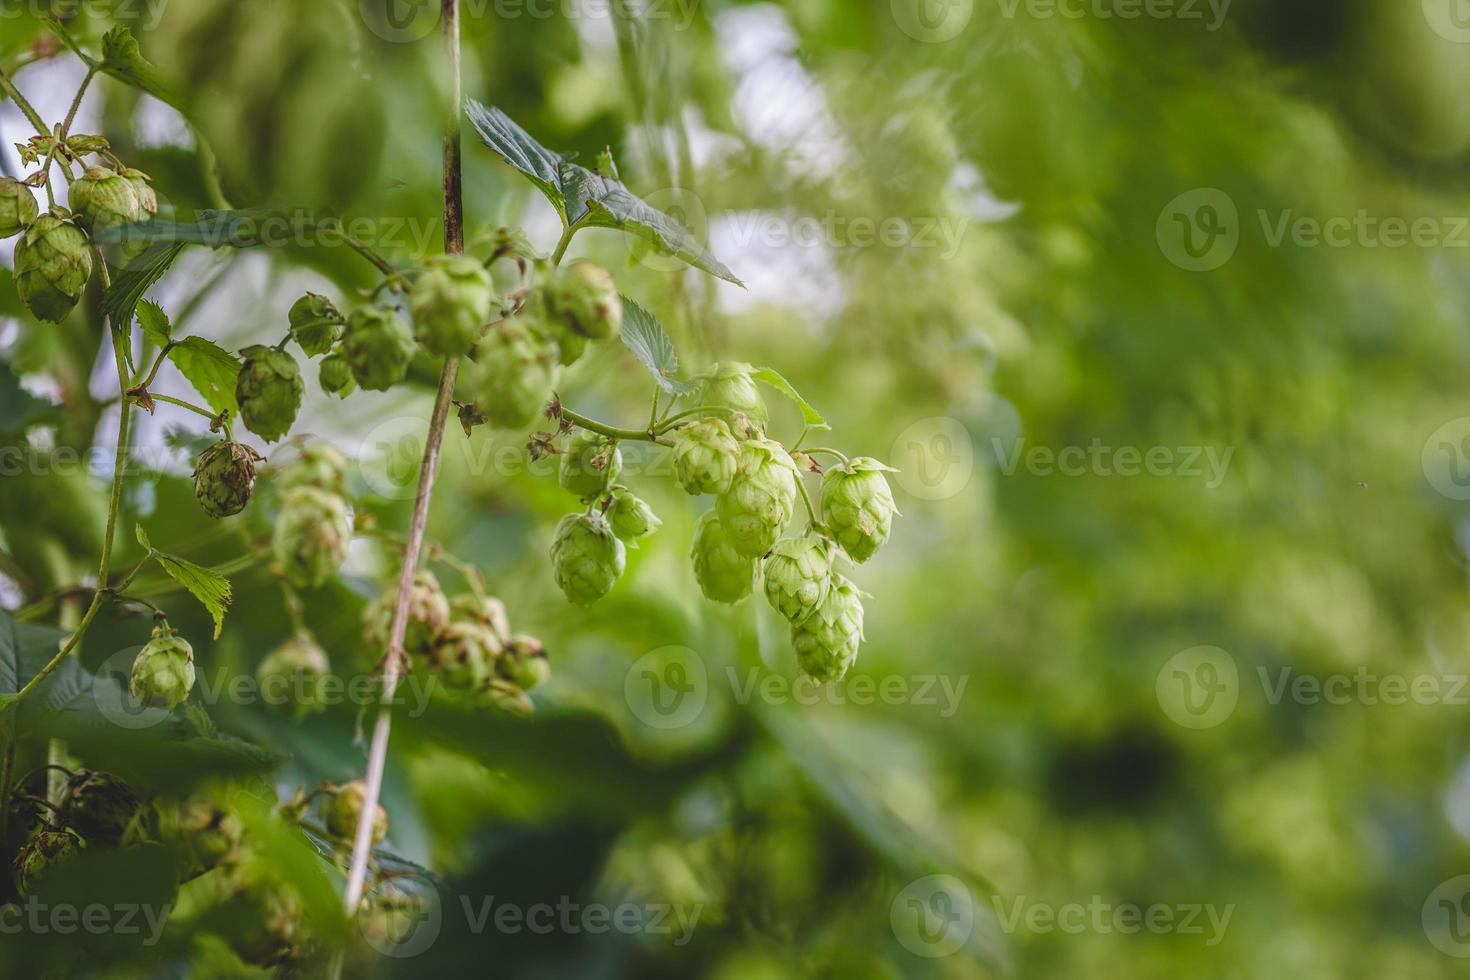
1160	308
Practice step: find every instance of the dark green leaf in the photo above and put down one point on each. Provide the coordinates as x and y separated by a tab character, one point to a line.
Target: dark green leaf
128	287
211	369
208	586
19	409
25	649
810	415
516	147
154	322
649	342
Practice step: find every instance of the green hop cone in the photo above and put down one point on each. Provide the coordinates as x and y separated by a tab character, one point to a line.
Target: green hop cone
590	464
209	833
311	535
857	505
485	610
586	557
265	923
18	207
451	302
584	299
826	642
514	372
269	391
569	348
758	505
291	676
706	456
730	385
143	190
428	615
724	574
98	805
335	375
798	575
53	261
224	477
345	810
629	516
464	654
320	465
45	850
315	324
378	347
524	663
103	198
164	672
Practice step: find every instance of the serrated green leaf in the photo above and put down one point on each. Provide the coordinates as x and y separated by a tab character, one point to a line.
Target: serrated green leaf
209	587
516	147
211	369
810	415
122	59
646	338
122	297
155	324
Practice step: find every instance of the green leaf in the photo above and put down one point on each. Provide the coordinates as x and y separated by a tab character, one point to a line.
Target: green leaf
142	536
208	586
128	287
646	338
122	59
810	415
242	228
211	369
516	147
154	322
25	649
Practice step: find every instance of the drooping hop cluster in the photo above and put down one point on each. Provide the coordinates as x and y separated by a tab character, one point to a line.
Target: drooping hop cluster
314	528
291	676
163	673
345	810
224	477
826	641
94	809
269	390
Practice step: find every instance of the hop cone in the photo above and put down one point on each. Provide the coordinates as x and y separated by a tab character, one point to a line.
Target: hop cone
143	190
98	805
590	464
53	262
18	207
464	654
224	478
451	303
706	456
584	298
729	385
291	675
630	517
103	199
724	574
586	557
428	614
334	374
315	324
515	369
378	347
858	506
269	391
311	535
524	663
209	834
798	575
758	505
827	641
49	847
346	808
265	924
320	465
502	695
164	671
487	611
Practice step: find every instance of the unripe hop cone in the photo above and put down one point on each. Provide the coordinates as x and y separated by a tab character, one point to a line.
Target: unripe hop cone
164	670
762	495
487	611
104	199
514	371
451	303
630	517
464	654
587	559
798	575
143	189
584	299
18	207
320	465
524	662
269	391
428	614
291	676
723	573
335	375
827	642
378	347
98	805
48	848
53	261
316	324
857	505
590	464
345	809
706	456
730	385
311	535
224	478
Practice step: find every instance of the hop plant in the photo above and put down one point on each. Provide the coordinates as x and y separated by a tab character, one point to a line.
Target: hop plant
464	654
730	385
586	557
320	465
514	372
163	672
269	391
224	477
311	535
485	610
451	303
584	298
590	464
18	207
335	375
103	198
45	850
502	695
315	324
345	809
524	662
378	347
142	189
297	667
53	262
857	505
428	614
826	642
798	575
705	456
629	516
209	833
758	505
264	927
98	805
723	573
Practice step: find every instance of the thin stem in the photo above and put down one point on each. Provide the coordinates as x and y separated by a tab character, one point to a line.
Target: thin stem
611	431
653	413
157	363
183	404
366	251
670	420
829	452
561	246
806	499
15	96
76	103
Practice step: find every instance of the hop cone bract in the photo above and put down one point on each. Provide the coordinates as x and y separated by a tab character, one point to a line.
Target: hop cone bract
706	456
723	573
53	261
451	303
758	505
586	557
798	575
826	642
